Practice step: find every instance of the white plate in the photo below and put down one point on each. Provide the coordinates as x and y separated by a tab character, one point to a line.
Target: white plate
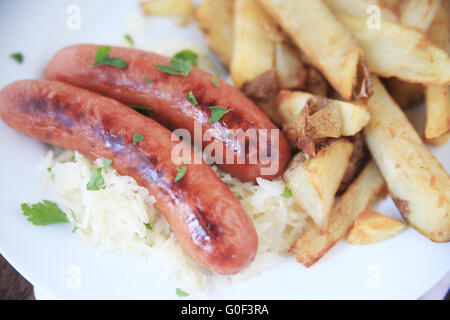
403	267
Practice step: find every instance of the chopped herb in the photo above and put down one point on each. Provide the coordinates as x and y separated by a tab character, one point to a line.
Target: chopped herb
188	55
72	159
181	173
214	81
75	225
143	110
192	98
137	137
177	67
106	163
97	182
181	293
148	226
52	175
17	56
217	113
42	214
287	193
147	80
102	58
129	39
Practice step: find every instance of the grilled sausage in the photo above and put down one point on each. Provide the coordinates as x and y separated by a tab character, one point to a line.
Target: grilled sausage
166	95
208	221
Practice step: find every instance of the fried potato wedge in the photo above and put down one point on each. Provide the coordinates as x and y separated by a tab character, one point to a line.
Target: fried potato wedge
315	82
417	182
405	94
399	51
310	118
419	13
269	107
327	44
362	8
313	244
183	9
253	60
371	227
291	71
439	141
215	19
311	182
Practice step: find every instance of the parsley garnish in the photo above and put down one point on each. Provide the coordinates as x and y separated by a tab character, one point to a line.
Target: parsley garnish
181	293
148	226
137	137
181	173
97	182
147	80
143	110
129	39
102	58
177	67
17	56
42	214
106	163
192	98
217	113
188	55
287	193
72	159
214	81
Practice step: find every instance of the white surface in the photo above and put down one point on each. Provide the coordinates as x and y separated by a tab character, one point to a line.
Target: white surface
404	267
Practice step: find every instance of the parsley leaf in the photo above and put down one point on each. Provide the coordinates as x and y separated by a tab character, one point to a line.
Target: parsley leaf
143	110
181	293
181	173
287	193
72	159
129	39
192	98
137	137
177	67
44	213
106	163
17	56
217	113
97	182
147	80
188	55
214	81
148	226
102	58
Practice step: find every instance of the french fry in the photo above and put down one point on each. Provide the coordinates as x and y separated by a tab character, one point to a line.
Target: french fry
310	118
417	182
253	61
405	94
312	185
315	83
371	227
269	107
327	44
361	8
439	141
217	28
290	69
183	9
399	51
419	13
313	244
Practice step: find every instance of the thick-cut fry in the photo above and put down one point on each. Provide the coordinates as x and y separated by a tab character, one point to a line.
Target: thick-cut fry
253	61
270	109
371	227
439	141
362	8
311	182
215	19
183	9
419	13
310	118
314	243
328	45
417	182
405	94
399	51
315	83
290	69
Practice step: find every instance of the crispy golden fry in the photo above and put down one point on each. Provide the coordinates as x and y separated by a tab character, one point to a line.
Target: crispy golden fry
310	118
437	98
183	9
215	19
290	69
439	141
312	185
419	13
417	182
362	8
405	94
314	243
371	227
399	51
327	44
253	60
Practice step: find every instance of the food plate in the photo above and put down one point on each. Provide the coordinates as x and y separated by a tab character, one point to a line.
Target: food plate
51	258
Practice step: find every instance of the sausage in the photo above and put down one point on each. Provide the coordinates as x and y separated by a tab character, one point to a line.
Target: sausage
208	221
166	96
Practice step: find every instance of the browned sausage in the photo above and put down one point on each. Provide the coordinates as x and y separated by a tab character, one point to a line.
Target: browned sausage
166	95
208	221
